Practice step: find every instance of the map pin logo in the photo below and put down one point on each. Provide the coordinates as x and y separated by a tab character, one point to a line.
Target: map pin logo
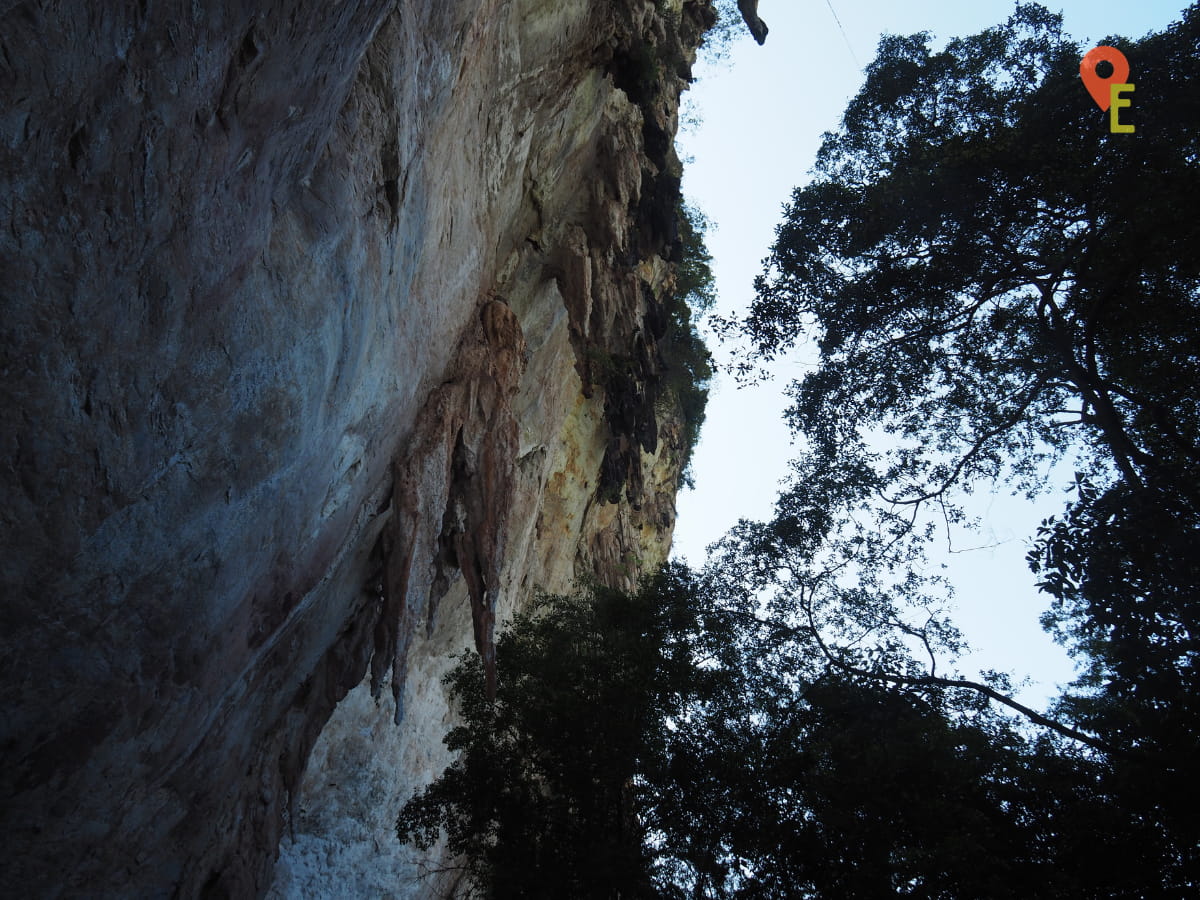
1099	87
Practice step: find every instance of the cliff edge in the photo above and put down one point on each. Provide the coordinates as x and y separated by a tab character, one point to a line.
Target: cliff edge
331	332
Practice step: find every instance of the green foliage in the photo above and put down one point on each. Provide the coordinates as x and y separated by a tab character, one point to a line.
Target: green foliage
728	28
544	799
871	792
660	744
641	72
994	281
688	365
694	283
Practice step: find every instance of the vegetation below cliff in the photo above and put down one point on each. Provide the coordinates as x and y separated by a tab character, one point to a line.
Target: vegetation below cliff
671	743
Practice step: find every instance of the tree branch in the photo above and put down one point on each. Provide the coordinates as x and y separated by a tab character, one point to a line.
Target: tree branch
977	446
935	681
1106	416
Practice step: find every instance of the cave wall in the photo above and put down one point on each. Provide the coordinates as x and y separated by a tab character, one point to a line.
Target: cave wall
308	316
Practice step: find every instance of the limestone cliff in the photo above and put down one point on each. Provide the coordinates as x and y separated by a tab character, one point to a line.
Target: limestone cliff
329	334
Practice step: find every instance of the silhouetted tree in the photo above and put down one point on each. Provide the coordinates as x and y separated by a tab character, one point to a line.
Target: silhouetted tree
546	797
660	744
994	281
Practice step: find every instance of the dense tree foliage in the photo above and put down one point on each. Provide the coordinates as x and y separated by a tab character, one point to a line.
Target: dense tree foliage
992	281
988	270
554	776
660	744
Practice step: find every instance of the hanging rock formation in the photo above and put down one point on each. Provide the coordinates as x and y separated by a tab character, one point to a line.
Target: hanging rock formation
749	11
310	313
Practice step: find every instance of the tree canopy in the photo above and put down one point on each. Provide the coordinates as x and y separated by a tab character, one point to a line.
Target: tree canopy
549	795
994	281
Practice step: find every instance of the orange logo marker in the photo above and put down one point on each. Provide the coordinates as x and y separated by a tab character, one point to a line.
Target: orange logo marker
1107	91
1099	87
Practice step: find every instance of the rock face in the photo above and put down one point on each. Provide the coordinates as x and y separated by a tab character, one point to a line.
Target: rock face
329	335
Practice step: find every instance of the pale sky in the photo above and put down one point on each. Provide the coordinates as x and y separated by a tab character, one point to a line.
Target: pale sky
763	114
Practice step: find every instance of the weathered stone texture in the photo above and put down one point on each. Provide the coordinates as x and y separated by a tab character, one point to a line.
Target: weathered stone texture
301	307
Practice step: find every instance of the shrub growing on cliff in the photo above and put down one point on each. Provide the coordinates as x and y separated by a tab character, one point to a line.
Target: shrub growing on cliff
694	283
728	27
688	364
